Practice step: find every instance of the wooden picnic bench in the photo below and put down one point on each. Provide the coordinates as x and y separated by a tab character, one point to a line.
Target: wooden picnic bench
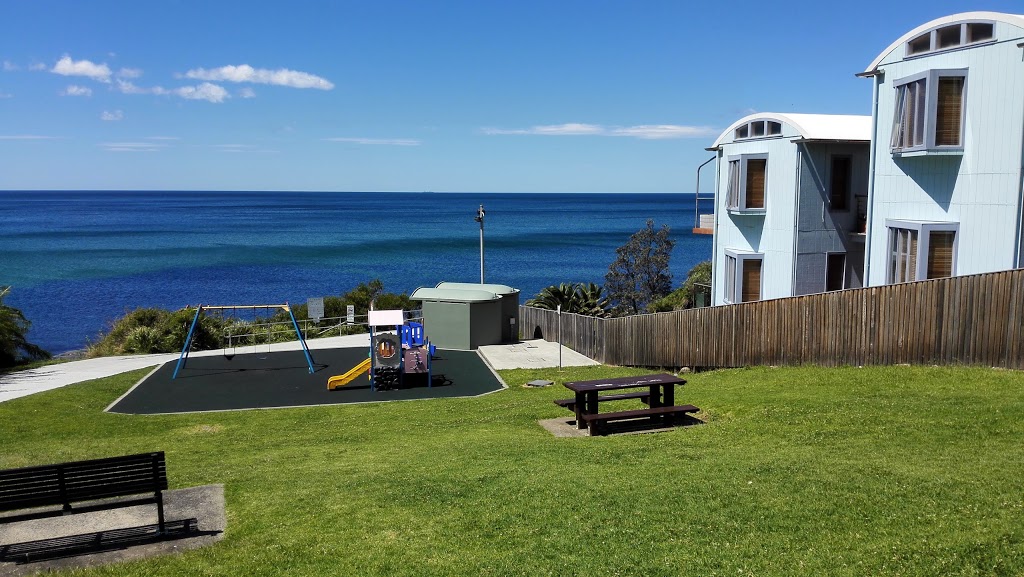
83	486
645	398
658	415
658	394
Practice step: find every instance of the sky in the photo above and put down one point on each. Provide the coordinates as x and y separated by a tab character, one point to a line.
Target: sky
444	96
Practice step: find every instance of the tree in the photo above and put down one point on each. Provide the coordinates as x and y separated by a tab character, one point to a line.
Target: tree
579	298
685	296
14	347
640	273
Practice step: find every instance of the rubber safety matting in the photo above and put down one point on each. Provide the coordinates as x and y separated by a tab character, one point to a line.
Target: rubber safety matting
282	379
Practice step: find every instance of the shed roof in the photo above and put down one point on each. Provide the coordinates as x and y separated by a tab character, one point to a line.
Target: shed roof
498	289
842	127
1014	19
452	295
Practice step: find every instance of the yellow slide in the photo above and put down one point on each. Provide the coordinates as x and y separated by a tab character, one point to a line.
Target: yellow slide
337	381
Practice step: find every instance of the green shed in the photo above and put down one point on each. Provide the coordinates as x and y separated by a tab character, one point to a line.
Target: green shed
509	305
462	319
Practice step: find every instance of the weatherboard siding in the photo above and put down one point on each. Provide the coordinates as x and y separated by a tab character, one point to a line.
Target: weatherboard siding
980	189
770	234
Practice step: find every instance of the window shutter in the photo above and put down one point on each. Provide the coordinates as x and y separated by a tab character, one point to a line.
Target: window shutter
732	193
751	280
730	278
949	112
920	91
940	254
911	257
755	182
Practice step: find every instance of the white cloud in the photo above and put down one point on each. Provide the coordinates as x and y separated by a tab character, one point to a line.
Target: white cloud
127	87
131	146
76	90
645	131
6	94
247	93
205	91
385	141
37	66
10	66
246	73
112	115
664	131
163	138
68	67
129	73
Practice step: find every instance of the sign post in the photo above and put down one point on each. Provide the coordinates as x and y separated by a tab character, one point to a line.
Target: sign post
315	308
559	338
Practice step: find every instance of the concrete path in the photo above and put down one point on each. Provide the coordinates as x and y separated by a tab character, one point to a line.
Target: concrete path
535	354
526	354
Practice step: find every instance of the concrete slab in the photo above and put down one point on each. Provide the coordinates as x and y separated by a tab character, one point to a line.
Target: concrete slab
533	354
205	503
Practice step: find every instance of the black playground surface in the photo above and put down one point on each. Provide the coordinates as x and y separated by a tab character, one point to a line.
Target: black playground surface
282	379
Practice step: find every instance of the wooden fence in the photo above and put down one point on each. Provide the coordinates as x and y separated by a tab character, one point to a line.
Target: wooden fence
976	320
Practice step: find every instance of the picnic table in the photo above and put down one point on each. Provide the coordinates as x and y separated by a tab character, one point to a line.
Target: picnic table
657	391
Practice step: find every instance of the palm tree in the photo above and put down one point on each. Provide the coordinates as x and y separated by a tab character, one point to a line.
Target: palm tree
579	298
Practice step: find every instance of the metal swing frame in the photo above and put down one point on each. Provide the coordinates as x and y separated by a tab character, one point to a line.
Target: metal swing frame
183	357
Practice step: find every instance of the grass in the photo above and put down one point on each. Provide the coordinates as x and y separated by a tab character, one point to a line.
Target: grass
873	471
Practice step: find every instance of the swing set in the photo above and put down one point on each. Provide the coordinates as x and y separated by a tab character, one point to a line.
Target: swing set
183	358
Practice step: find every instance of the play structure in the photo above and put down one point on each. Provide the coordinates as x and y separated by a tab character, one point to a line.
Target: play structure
397	356
183	358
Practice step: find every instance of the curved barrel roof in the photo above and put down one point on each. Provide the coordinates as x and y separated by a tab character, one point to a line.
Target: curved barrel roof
452	295
811	126
1014	19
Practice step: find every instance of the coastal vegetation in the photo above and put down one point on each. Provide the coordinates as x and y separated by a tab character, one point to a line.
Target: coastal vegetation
685	297
640	272
15	349
809	471
153	330
579	298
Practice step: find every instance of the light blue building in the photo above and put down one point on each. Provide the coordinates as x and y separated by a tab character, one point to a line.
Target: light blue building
790	205
947	148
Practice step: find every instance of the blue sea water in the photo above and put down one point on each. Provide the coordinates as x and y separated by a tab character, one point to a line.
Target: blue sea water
79	260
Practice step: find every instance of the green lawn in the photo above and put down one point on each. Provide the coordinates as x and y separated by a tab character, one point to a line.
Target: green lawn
797	471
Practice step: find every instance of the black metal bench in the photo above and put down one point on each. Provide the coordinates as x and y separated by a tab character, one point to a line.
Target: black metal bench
596	422
644	396
93	484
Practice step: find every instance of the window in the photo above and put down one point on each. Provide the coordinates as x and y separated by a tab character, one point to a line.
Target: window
839	182
742	276
902	255
747	185
949	37
835	271
921	250
929	112
758	129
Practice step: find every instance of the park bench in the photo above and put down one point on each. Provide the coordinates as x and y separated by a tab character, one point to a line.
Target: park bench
80	487
644	396
597	421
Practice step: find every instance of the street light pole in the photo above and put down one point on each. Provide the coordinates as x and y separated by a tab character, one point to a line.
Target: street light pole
480	218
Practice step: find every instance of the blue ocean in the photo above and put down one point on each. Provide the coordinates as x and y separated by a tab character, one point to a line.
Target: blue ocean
79	260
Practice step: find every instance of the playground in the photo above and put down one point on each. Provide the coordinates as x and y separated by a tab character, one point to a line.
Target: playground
399	364
264	380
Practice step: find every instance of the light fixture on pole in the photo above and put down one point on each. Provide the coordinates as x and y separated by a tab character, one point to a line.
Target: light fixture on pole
480	218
